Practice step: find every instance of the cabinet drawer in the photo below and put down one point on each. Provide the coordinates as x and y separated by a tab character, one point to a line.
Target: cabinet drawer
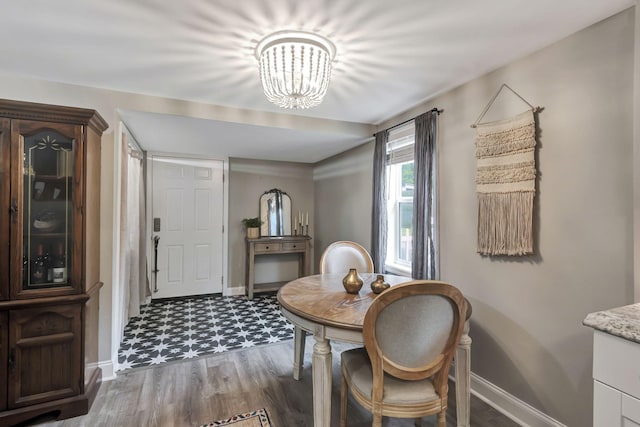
293	246
630	410
268	247
616	362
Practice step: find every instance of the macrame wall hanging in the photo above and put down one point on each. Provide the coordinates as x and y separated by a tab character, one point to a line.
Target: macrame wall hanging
505	182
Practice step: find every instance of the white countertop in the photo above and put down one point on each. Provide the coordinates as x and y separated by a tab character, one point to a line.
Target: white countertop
623	322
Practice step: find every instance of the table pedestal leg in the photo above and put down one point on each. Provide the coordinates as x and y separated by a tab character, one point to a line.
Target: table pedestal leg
463	378
299	336
321	370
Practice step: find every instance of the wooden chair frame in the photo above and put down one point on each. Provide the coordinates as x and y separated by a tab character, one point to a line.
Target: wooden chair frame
437	368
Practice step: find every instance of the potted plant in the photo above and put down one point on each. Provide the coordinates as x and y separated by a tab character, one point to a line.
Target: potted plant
253	227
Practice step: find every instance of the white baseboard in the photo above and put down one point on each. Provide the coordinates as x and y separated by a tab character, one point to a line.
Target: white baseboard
233	291
510	406
108	373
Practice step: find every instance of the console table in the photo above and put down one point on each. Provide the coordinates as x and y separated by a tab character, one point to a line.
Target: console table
300	245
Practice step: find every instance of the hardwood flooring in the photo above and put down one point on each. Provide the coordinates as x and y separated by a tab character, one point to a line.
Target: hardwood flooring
195	392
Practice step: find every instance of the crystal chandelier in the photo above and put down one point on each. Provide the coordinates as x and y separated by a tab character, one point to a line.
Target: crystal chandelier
295	67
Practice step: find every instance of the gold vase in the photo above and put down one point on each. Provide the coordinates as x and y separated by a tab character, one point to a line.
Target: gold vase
379	284
352	282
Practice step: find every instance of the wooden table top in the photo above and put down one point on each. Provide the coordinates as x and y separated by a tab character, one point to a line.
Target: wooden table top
322	299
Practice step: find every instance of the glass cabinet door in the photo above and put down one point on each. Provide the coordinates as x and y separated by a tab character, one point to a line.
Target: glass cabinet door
49	199
5	209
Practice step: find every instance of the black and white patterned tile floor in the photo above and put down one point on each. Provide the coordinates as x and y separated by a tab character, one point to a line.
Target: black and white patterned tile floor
188	327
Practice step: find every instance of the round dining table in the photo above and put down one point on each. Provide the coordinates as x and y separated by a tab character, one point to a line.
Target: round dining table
320	305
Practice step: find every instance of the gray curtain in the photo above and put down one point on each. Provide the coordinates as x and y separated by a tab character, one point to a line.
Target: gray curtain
424	259
379	198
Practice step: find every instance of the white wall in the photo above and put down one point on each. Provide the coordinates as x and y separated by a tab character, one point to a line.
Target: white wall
526	327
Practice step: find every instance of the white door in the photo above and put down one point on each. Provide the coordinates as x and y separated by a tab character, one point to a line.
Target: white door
187	217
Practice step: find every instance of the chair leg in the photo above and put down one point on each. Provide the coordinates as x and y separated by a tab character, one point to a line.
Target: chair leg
418	422
442	418
343	402
377	421
299	336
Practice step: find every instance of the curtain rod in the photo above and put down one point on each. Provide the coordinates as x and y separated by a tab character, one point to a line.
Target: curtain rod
408	120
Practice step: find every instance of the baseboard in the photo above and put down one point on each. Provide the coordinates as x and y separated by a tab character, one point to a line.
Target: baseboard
509	405
233	291
108	373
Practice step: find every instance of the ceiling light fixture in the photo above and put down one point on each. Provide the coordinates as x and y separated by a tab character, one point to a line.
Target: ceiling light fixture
295	68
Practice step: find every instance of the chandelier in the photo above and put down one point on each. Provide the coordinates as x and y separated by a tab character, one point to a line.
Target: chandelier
295	67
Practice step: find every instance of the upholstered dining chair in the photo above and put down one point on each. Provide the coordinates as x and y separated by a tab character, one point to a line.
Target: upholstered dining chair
410	335
338	257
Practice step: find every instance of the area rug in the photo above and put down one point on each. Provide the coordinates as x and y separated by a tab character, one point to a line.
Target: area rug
505	184
184	328
257	418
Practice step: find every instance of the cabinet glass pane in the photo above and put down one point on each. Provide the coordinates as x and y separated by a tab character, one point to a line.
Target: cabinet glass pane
48	170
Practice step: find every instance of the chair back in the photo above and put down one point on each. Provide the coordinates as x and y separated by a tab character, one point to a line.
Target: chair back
340	256
411	330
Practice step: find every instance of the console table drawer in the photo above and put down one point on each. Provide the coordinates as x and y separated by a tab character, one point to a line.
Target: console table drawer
294	246
268	247
272	247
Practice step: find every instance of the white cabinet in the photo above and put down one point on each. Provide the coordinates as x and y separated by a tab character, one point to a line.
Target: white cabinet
616	381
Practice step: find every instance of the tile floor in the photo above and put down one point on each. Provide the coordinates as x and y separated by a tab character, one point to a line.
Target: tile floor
187	327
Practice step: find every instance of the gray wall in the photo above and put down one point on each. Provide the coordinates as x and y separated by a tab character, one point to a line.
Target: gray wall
248	179
343	188
527	312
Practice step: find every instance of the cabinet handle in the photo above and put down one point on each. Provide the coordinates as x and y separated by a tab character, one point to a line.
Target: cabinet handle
12	359
267	247
14	208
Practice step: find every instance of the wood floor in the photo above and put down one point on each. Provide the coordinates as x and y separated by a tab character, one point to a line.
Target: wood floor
195	392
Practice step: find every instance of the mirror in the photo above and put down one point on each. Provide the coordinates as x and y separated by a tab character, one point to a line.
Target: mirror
275	213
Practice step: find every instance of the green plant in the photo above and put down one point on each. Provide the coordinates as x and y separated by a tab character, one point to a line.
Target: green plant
252	222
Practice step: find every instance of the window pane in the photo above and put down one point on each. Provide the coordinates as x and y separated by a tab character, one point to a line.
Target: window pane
405	222
407	179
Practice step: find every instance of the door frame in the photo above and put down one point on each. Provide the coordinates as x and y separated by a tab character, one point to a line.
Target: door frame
225	213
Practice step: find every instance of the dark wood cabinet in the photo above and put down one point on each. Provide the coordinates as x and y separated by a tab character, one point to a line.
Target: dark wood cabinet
45	352
4	358
49	265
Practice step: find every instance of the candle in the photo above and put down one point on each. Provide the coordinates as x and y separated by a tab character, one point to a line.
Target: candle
306	222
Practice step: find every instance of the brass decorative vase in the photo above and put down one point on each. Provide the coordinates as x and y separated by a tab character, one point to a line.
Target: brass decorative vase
352	282
379	284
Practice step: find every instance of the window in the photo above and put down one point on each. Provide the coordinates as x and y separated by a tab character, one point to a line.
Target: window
400	187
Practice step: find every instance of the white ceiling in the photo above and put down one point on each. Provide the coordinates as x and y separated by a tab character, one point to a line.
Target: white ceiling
391	56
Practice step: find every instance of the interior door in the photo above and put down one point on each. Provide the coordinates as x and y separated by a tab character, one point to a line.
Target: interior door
187	212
